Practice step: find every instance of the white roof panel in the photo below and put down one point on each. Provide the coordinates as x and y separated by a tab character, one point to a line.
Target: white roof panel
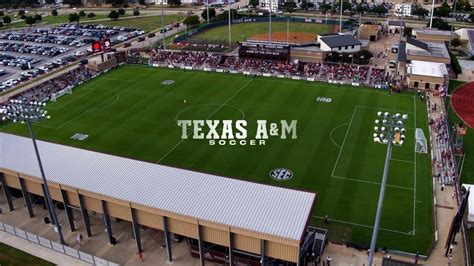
429	69
267	209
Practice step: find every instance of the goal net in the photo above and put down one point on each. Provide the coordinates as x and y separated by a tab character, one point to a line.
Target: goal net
421	143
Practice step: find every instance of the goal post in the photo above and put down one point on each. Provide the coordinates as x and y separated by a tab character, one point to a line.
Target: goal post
421	145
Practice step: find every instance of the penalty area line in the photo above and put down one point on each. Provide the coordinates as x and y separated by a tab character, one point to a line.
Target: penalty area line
363	225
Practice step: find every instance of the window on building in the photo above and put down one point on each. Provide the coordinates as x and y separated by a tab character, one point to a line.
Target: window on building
427	85
345	47
339	48
416	84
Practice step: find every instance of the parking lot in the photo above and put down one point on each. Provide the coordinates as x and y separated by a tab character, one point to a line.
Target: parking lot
28	53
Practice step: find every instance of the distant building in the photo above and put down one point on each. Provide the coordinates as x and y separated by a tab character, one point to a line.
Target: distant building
426	75
369	32
393	26
339	43
467	39
433	35
427	51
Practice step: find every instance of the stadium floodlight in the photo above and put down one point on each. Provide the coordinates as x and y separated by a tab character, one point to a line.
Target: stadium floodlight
392	132
19	111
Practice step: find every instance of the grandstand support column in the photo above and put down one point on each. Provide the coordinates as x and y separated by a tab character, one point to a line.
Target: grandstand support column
85	215
48	206
169	252
67	209
108	226
136	231
263	258
201	246
231	248
26	197
6	191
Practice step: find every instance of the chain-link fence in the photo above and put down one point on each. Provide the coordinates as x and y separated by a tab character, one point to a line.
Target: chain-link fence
55	246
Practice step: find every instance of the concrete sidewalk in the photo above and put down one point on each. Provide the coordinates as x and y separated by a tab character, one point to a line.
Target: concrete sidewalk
39	251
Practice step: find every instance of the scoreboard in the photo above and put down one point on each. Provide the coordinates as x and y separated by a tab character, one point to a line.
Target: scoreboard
103	45
264	51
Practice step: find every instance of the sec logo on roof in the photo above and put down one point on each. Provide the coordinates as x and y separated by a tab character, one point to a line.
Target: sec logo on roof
281	174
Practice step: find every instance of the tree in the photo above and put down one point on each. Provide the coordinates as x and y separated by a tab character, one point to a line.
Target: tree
191	21
212	13
2	14
379	10
38	17
305	4
114	15
419	11
442	11
440	24
142	2
21	12
407	31
362	8
82	13
289	6
471	17
121	11
74	17
30	20
54	12
455	42
324	8
174	2
254	3
7	20
136	12
91	15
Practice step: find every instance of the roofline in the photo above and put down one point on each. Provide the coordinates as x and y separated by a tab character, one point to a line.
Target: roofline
180	168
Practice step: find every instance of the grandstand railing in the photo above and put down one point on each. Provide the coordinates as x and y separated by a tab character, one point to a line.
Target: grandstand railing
274	75
457	185
63	249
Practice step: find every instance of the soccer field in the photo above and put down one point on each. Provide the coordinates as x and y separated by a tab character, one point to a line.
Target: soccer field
129	112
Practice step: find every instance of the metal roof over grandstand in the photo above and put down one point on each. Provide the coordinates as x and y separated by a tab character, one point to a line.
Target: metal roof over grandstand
261	208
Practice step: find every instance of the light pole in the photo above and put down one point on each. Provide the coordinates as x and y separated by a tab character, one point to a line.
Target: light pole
402	13
389	130
340	17
27	112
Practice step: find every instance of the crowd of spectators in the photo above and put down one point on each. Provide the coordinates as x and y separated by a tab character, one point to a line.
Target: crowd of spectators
340	72
443	158
44	90
193	59
377	76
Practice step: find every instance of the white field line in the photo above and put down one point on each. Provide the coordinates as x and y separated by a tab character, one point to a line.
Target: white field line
370	182
363	225
332	131
209	116
414	172
344	141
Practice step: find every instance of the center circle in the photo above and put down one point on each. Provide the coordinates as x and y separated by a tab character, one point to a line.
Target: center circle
210	111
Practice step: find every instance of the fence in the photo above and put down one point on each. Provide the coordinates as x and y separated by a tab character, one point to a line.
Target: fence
55	246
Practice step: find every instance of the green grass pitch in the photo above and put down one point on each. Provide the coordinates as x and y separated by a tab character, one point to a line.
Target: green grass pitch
128	112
